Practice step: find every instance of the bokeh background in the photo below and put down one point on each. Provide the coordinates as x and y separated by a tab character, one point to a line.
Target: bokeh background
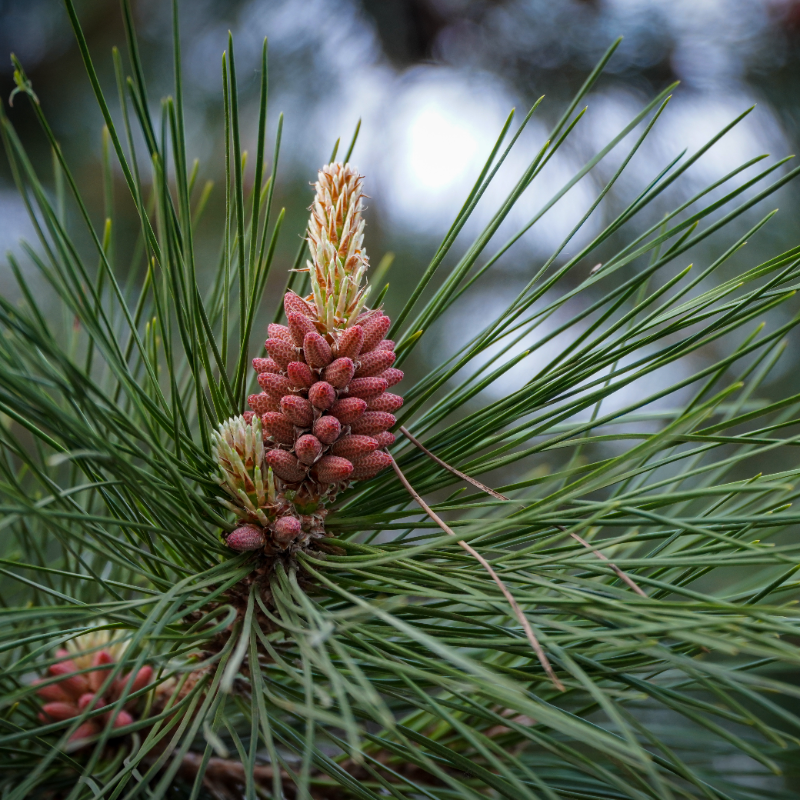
433	81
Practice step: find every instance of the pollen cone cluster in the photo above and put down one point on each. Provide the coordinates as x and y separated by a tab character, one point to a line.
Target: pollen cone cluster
75	681
323	416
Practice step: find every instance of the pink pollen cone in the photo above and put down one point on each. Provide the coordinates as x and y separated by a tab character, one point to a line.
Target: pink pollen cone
299	326
286	529
300	375
285	466
327	429
333	469
350	342
246	537
339	373
298	410
308	448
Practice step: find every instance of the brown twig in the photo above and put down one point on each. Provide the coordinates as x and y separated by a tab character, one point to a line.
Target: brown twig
463	475
537	648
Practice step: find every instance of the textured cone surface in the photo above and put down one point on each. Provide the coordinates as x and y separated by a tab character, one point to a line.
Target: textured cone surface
322	395
327	429
52	692
386	344
299	326
385	439
60	711
279	332
278	427
248	417
317	351
349	409
386	402
294	304
300	375
369	466
283	353
354	446
366	388
298	410
333	469
339	373
308	448
375	329
372	422
247	537
374	363
350	342
286	529
285	466
392	376
276	385
266	365
261	403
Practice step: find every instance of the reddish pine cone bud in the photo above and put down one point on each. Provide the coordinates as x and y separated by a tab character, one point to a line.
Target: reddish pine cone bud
308	448
339	373
350	342
300	375
276	385
298	410
375	329
285	466
372	422
374	363
385	402
299	326
294	304
52	692
246	537
349	409
279	332
248	417
366	388
327	429
386	344
143	677
261	403
278	427
283	353
286	529
333	469
322	395
265	365
384	439
392	376
353	446
369	466
317	351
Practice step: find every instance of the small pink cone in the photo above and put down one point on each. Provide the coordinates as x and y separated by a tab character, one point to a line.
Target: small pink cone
369	466
263	402
299	326
74	685
300	375
87	698
385	402
366	388
286	529
322	395
60	711
350	342
122	719
374	363
339	373
372	422
349	409
246	537
52	692
279	332
392	376
293	303
317	351
281	352
265	365
85	730
386	344
248	417
143	677
333	469
353	446
298	410
97	677
285	466
276	385
308	448
375	329
327	429
384	439
278	427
